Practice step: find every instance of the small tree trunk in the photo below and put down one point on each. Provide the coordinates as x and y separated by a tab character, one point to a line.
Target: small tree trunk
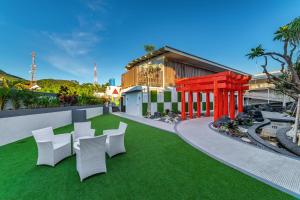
149	97
296	120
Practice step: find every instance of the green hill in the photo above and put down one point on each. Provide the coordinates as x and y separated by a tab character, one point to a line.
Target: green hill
53	85
9	77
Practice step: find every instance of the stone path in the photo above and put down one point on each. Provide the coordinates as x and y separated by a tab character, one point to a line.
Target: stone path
274	169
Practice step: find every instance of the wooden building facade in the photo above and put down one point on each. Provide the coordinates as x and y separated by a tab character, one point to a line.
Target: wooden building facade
175	64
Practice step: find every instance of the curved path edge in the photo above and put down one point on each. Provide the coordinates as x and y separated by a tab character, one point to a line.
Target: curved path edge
259	169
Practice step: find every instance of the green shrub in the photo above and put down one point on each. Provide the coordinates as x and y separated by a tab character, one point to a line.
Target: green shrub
30	99
54	102
195	105
167	96
204	106
4	96
153	95
175	107
160	107
144	109
178	96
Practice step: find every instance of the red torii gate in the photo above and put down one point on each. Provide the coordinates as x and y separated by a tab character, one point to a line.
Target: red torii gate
220	84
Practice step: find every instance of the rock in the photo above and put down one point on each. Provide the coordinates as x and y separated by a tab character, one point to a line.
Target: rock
157	115
245	139
242	129
257	115
244	119
223	121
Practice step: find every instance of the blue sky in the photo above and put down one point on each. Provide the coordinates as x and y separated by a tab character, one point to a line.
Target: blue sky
69	36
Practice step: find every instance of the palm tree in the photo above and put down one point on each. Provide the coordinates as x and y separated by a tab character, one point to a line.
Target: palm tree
149	71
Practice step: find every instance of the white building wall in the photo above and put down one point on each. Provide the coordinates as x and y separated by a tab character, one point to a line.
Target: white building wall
134	103
19	127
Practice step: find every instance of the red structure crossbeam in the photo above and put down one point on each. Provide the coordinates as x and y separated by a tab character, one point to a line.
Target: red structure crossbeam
224	85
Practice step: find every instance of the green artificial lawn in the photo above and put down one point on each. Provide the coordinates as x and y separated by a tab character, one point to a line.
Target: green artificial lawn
157	165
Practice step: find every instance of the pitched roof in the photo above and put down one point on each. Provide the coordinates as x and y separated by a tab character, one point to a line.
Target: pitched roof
167	49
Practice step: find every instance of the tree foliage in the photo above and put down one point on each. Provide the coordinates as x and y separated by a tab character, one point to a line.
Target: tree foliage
149	48
289	59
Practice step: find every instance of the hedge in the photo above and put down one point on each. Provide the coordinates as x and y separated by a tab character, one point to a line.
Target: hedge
175	107
153	95
178	96
167	96
160	107
204	105
195	105
144	110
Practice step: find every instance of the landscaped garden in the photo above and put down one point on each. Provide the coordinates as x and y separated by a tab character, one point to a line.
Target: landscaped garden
157	165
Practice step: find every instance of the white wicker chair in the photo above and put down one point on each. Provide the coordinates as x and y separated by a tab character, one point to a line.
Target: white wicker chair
82	129
90	156
51	148
122	129
115	140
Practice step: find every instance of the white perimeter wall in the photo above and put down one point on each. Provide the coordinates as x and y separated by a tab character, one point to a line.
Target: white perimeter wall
93	112
16	128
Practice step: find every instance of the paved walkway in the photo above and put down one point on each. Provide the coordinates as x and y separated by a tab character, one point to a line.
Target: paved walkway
274	169
150	122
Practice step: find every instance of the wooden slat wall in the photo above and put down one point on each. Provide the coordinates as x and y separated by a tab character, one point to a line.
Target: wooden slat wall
169	76
129	78
175	70
172	69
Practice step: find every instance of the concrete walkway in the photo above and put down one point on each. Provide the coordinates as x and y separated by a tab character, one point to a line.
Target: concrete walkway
274	169
149	122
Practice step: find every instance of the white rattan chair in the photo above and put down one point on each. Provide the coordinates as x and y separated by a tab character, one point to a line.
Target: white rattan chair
82	130
115	144
115	140
122	129
90	156
51	148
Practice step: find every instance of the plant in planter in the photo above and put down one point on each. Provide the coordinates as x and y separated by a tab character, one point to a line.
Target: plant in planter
15	97
65	97
30	99
4	95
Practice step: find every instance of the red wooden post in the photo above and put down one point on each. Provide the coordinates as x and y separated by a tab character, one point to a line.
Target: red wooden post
191	104
207	104
226	102
232	104
240	101
183	115
216	101
221	107
198	104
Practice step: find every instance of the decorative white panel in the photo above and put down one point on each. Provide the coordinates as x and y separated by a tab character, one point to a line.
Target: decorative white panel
179	106
145	97
168	105
160	96
174	95
153	108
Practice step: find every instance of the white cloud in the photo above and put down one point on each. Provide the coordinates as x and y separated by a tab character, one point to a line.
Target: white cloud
70	65
95	5
76	43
